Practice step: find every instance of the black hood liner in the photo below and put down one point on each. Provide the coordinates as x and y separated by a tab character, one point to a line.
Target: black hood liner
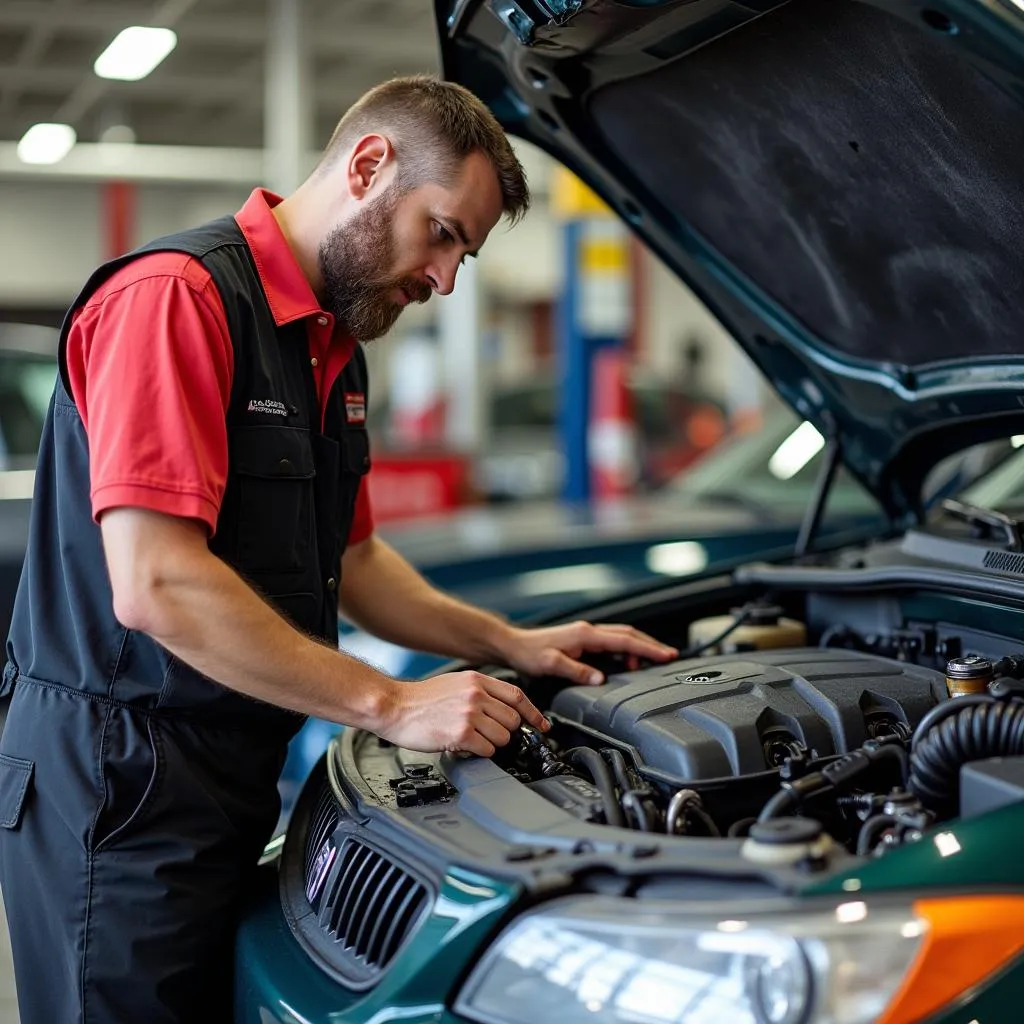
869	180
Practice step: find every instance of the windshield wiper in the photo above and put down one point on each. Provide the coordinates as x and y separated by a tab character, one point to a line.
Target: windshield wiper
987	523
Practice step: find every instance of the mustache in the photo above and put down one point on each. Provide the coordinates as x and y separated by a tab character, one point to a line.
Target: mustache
415	289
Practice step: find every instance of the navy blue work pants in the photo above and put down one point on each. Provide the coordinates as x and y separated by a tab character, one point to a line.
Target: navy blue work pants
127	844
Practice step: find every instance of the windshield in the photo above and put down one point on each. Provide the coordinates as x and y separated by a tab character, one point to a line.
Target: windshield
1003	488
773	470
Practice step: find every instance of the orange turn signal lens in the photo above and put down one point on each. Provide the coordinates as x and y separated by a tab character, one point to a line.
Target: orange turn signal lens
968	938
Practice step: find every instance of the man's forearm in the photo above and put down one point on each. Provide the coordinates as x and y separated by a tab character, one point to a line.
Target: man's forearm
197	607
383	594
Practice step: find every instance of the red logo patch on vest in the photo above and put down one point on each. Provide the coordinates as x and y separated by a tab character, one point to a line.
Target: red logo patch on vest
355	406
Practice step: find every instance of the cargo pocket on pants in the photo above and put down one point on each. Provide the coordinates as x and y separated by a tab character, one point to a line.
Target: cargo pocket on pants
15	776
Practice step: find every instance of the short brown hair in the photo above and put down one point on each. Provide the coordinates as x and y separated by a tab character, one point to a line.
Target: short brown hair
433	126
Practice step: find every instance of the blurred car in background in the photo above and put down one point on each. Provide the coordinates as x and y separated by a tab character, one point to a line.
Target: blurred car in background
674	426
523	459
28	367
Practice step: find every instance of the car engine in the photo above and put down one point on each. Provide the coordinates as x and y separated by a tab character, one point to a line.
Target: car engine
745	733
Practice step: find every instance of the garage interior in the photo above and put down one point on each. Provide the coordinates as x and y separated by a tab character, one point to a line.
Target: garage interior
573	422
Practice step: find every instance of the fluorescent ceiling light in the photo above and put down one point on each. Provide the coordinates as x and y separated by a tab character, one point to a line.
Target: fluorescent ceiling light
796	451
1017	440
134	53
46	143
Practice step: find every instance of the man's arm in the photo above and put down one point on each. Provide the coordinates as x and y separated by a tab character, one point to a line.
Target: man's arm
167	584
382	593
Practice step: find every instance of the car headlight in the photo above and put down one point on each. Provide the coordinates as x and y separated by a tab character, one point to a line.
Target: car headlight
602	960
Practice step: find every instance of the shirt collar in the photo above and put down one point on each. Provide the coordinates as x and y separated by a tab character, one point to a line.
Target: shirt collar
288	292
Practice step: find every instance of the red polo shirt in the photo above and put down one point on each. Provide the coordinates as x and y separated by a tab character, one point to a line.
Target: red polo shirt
150	364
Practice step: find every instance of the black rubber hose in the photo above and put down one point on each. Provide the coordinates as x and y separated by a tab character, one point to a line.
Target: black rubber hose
949	707
708	822
838	774
897	751
601	774
635	793
871	830
972	729
783	802
635	805
618	763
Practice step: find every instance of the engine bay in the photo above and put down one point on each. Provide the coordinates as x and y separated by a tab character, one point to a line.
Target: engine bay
864	740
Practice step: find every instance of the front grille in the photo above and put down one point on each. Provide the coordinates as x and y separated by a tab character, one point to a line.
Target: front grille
371	907
1003	561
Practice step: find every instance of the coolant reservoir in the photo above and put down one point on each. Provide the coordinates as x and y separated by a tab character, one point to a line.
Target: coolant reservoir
765	627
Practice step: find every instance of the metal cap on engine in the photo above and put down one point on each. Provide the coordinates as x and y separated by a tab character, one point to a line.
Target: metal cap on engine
968	675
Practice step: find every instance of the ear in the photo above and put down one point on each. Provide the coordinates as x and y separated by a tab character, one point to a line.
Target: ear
371	156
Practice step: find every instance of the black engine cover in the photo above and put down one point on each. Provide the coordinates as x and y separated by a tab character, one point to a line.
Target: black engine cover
742	714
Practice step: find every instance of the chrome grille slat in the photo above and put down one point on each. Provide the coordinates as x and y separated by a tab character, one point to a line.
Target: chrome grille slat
393	897
364	903
361	863
374	908
407	912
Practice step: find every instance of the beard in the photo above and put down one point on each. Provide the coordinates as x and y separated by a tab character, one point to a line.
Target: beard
354	264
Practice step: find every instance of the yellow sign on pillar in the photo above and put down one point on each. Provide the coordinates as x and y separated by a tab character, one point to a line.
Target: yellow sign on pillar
571	199
601	267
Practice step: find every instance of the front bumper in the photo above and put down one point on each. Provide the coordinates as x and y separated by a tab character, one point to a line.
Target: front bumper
277	982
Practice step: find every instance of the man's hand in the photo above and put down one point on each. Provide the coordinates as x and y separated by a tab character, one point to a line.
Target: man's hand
458	712
553	651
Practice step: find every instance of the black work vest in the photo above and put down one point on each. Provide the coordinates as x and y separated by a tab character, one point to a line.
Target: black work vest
283	525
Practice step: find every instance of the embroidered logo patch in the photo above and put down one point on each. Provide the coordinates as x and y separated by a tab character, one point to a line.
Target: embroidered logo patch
355	406
267	406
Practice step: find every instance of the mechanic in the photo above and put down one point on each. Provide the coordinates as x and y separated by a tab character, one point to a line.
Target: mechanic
199	518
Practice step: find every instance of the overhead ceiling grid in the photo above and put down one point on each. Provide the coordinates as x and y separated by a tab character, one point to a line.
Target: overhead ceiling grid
210	89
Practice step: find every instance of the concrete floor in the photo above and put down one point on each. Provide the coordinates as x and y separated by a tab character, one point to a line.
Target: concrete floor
8	999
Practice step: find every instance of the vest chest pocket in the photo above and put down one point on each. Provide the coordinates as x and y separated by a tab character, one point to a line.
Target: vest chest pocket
274	469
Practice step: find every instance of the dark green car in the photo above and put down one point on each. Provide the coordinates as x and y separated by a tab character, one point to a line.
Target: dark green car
815	816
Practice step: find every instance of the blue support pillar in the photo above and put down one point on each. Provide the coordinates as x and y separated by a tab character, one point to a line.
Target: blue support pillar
574	359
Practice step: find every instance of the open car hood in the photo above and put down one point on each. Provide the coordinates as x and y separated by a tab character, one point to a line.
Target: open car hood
841	182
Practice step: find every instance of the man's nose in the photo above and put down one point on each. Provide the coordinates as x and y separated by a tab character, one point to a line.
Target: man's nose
442	277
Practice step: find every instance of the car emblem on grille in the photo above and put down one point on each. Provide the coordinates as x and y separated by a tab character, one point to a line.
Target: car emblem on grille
320	870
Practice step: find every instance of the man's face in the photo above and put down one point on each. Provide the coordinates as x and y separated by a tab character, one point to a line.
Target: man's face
399	248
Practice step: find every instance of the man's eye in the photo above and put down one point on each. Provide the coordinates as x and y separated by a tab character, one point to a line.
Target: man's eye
444	234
